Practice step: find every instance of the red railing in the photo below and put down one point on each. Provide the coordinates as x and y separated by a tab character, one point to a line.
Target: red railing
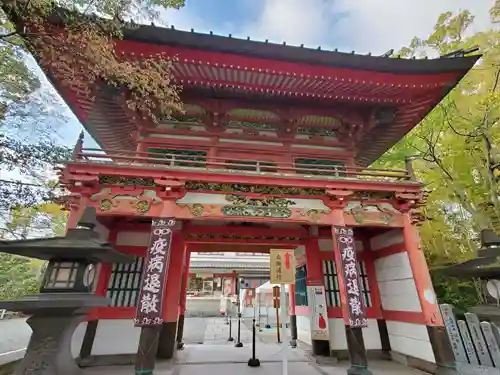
240	166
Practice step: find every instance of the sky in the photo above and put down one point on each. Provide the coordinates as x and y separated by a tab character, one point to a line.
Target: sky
364	26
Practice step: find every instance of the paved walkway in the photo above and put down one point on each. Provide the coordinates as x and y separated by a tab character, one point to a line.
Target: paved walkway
14	336
207	351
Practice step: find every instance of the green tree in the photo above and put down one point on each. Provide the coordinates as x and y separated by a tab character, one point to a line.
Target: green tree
85	56
19	275
454	150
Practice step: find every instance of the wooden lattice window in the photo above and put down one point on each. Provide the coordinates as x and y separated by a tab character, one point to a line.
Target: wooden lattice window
320	167
124	283
332	284
364	284
301	286
331	281
180	158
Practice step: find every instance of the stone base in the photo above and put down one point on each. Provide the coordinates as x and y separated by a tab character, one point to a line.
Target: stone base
293	327
371	354
441	347
359	371
49	349
420	364
107	360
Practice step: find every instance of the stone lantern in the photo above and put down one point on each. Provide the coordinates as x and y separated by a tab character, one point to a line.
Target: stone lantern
486	268
66	294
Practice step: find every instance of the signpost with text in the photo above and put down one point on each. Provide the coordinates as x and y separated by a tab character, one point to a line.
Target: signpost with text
283	273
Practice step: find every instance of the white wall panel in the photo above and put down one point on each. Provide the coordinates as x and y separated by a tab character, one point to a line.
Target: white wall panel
386	239
410	339
304	329
396	284
338	339
371	335
77	340
116	336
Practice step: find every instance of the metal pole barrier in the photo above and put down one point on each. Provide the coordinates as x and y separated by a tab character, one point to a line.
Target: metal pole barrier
227	309
239	344
267	316
253	362
230	338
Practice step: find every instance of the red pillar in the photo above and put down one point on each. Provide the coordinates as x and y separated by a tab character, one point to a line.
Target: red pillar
183	300
313	262
168	334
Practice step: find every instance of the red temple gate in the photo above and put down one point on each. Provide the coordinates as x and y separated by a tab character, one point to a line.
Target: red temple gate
271	152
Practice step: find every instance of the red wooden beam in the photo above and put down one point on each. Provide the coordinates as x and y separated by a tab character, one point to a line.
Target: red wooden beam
232	178
245	231
211	248
256	241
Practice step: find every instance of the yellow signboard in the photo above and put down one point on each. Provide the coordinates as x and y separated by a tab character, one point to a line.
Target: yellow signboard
282	266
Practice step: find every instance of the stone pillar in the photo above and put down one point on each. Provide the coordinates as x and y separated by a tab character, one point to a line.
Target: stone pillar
167	340
441	346
183	300
354	336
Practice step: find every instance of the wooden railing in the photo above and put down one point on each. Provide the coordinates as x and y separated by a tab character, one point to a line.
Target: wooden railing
238	166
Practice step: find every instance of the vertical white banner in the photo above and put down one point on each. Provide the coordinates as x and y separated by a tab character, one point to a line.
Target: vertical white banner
319	317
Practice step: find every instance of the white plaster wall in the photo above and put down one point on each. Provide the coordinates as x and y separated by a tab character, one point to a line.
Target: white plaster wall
116	336
398	292
386	239
396	285
304	329
371	335
77	340
410	339
338	340
336	328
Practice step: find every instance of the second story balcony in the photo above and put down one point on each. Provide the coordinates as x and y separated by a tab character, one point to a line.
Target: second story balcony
195	166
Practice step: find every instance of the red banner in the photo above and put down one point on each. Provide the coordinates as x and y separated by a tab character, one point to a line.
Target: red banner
344	238
154	274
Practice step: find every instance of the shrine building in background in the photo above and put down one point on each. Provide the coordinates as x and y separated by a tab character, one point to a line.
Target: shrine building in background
272	152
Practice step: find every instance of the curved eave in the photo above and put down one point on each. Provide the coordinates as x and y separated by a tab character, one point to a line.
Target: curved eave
215	43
